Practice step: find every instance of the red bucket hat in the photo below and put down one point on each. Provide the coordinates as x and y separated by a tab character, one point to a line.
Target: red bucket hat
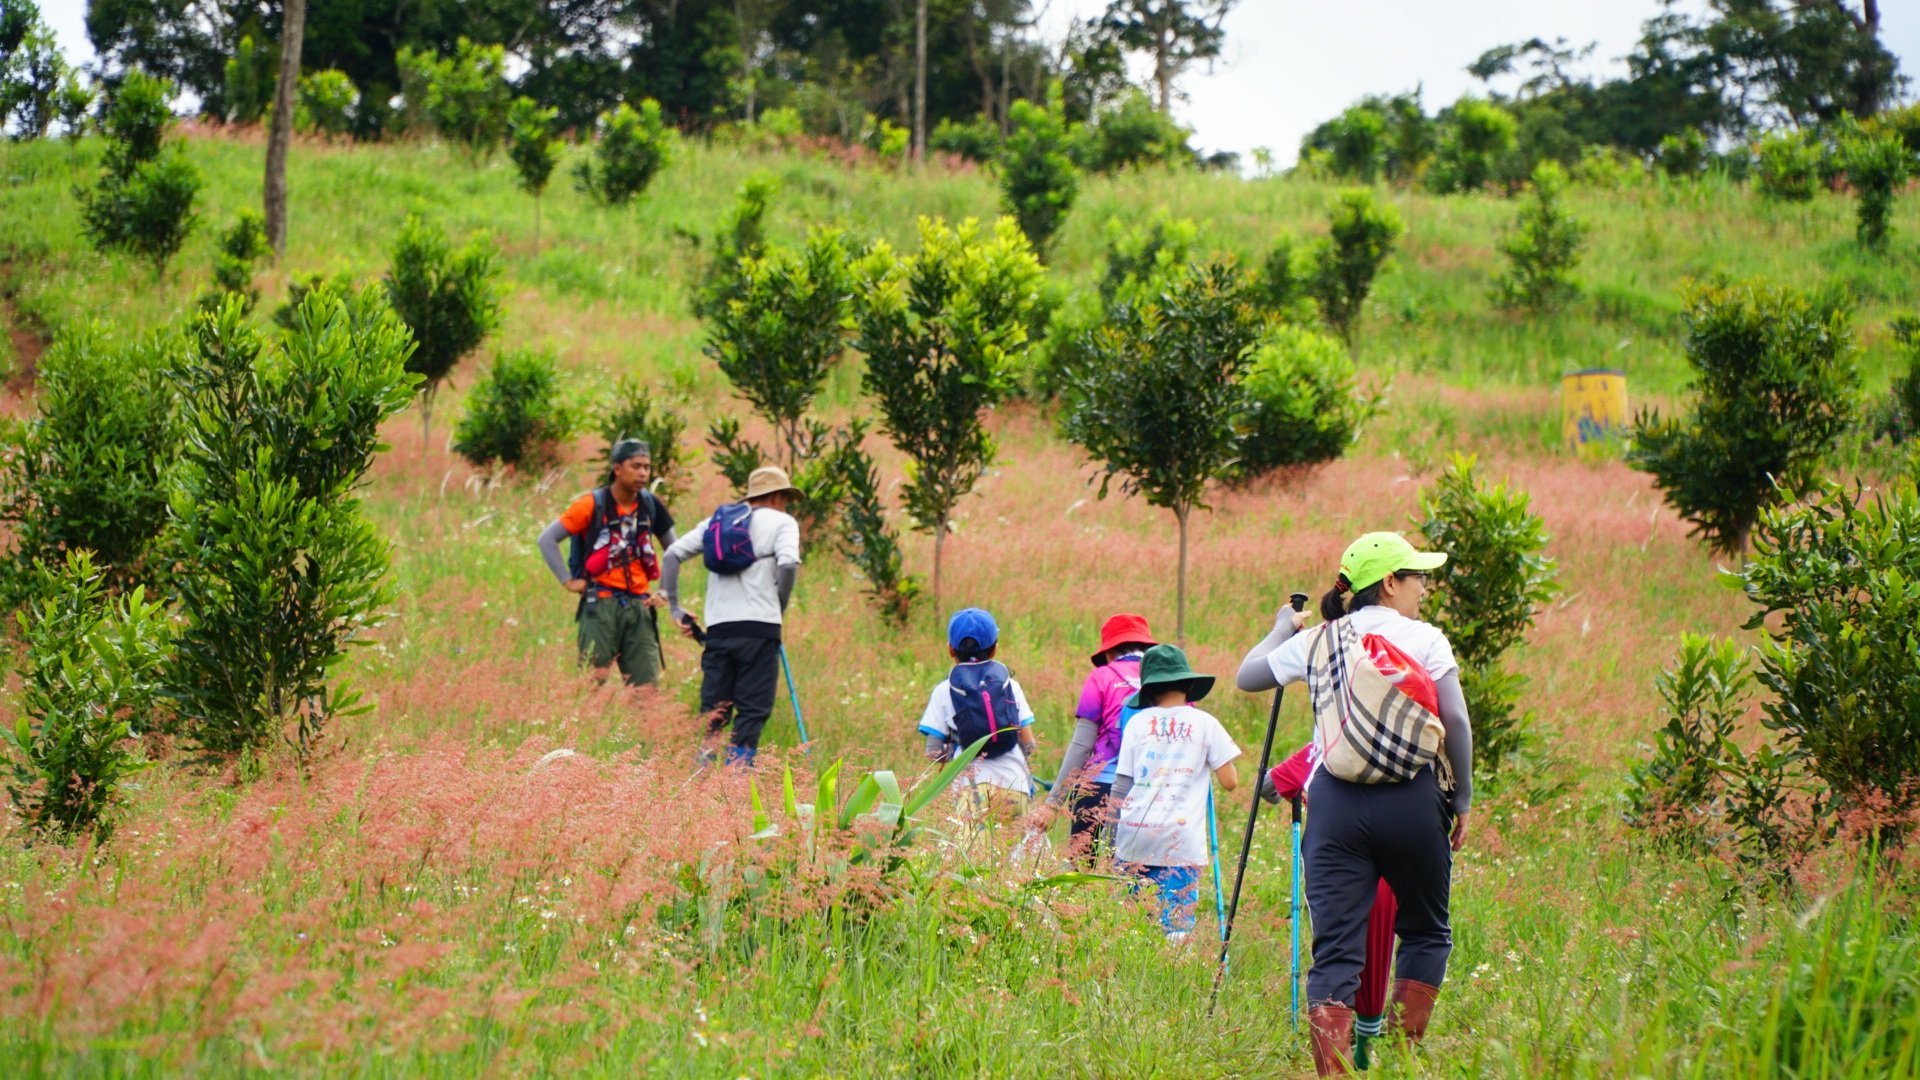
1121	629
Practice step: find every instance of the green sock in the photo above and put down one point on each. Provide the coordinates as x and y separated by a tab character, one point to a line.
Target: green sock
1365	1030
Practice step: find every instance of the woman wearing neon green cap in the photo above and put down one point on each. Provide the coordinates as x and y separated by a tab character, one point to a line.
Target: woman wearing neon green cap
1390	718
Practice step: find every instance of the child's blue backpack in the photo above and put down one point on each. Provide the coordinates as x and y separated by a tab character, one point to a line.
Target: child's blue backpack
728	546
983	707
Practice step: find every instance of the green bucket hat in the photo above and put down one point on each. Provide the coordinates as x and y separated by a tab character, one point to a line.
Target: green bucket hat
1163	668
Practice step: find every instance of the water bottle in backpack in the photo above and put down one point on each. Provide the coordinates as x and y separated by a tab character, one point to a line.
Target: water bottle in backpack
983	707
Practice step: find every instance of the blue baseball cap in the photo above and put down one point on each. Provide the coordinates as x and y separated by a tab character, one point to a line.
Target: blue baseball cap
972	623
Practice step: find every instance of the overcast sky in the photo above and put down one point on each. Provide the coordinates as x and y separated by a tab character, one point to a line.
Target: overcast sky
1292	63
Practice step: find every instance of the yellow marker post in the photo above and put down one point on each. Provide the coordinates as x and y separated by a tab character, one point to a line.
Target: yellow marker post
1593	406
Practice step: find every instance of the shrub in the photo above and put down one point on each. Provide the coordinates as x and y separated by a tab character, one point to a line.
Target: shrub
742	235
448	298
1789	169
136	120
1877	167
1607	168
1683	155
1474	136
534	151
1359	144
1155	403
735	456
1284	285
1485	597
1899	418
632	149
324	102
286	570
89	473
942	330
1303	405
468	96
778	339
1038	180
976	140
1345	263
73	102
90	686
248	82
1543	248
143	200
1705	698
514	414
1133	133
867	539
241	246
635	413
1774	385
1140	255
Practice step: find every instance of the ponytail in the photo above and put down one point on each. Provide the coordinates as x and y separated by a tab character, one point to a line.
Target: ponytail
1335	603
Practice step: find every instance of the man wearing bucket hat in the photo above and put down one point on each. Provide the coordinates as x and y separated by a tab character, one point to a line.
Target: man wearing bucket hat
1170	754
1391	781
1086	776
745	608
613	566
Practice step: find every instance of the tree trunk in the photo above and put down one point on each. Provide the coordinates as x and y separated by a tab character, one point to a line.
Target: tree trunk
920	90
426	416
536	226
1180	594
293	27
939	547
1163	68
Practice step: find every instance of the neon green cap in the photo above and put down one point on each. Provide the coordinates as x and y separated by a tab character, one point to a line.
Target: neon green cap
1378	554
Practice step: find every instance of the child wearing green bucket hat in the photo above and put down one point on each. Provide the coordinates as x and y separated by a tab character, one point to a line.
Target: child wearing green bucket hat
1169	755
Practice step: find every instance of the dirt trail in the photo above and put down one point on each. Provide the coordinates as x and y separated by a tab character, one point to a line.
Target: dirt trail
27	343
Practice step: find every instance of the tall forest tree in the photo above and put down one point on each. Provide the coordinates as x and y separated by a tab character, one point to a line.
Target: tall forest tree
280	129
1174	34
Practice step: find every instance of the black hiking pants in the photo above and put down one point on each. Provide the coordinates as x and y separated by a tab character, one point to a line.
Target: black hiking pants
1355	835
738	679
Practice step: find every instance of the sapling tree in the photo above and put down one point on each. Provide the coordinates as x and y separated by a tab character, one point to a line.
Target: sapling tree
534	150
778	339
1156	401
468	97
241	248
632	149
866	537
1038	179
1303	402
515	416
635	412
1788	167
449	299
74	104
1543	247
323	103
286	571
1474	136
735	455
1360	238
941	330
1486	596
143	200
1774	388
742	235
1877	167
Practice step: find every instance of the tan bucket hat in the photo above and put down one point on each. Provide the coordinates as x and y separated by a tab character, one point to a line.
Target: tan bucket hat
769	479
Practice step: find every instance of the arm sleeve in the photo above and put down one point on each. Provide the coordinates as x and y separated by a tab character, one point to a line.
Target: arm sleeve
1453	717
1256	671
936	747
679	549
1084	733
784	576
550	551
1122	783
668	538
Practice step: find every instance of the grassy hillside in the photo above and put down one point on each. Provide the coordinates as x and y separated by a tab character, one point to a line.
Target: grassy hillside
430	900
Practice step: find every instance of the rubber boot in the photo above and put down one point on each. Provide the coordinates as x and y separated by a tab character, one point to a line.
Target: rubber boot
1365	1030
1411	1008
1332	1024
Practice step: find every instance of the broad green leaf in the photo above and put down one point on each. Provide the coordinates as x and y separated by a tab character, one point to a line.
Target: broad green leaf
931	790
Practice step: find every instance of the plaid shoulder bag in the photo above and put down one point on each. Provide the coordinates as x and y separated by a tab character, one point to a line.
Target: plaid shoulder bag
1369	728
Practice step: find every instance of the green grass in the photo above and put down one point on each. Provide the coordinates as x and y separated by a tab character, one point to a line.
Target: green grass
238	926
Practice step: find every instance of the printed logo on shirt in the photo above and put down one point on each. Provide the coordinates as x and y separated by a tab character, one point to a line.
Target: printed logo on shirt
1169	729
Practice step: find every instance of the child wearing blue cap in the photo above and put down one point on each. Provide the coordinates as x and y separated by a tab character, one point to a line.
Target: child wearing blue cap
979	699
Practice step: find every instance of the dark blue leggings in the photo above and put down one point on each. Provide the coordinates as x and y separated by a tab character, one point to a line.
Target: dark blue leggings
1357	834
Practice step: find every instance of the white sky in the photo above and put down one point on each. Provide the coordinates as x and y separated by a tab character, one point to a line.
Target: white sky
1291	64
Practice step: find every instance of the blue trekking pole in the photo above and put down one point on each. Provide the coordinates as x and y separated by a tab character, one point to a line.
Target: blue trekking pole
1293	1014
1213	845
794	696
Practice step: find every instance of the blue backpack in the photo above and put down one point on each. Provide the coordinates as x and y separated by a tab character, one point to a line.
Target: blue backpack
727	547
983	707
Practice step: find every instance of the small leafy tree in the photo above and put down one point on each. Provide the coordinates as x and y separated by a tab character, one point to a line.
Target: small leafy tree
1704	697
1285	281
734	455
634	412
324	102
1543	247
1138	257
867	539
1789	166
448	298
90	686
1303	402
468	97
31	69
73	102
779	338
1133	133
632	149
1359	138
1038	180
1683	155
241	248
247	83
1474	136
742	235
1876	167
89	473
978	140
941	330
514	414
1775	381
287	572
143	200
534	151
1360	239
1485	597
1155	405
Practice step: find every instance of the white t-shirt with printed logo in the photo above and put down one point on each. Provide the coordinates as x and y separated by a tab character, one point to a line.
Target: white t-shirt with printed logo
1171	754
1009	770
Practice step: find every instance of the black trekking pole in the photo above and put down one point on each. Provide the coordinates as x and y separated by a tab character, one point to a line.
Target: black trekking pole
1299	602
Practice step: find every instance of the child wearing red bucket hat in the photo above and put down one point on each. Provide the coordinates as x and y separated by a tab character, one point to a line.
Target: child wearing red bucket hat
1086	776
